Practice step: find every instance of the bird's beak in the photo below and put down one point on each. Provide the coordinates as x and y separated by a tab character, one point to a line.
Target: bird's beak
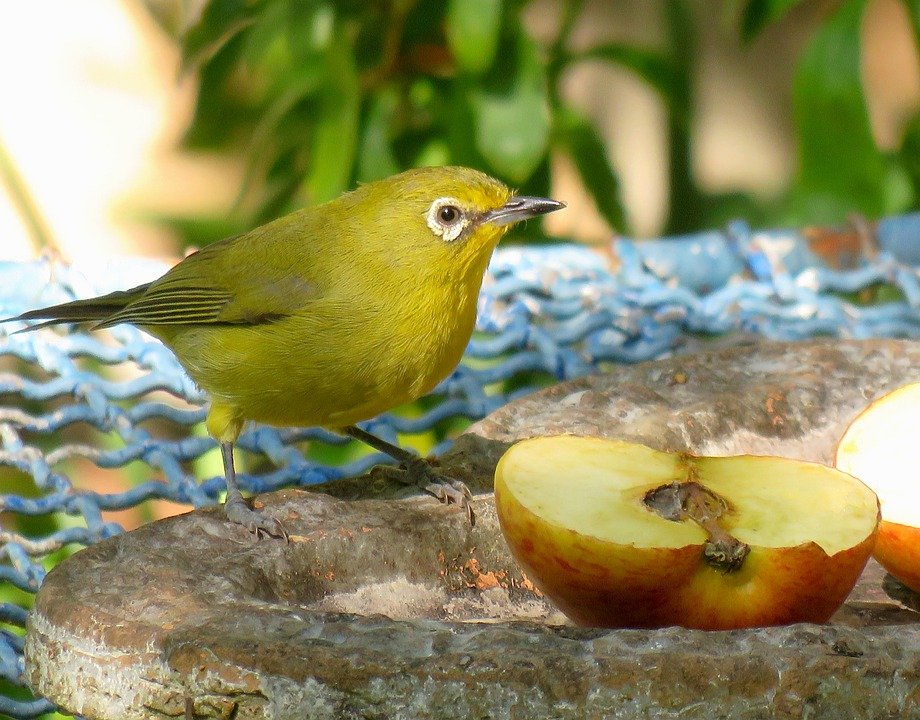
521	207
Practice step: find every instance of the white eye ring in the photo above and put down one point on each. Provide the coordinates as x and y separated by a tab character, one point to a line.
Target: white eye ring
446	219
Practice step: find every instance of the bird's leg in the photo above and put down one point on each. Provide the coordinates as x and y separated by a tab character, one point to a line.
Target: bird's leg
238	511
415	470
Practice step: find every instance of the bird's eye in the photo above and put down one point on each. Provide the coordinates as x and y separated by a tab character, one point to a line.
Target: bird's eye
446	219
448	214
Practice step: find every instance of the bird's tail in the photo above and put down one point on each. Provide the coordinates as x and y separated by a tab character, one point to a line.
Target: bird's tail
96	310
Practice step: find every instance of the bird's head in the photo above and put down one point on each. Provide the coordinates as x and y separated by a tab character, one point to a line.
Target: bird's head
454	214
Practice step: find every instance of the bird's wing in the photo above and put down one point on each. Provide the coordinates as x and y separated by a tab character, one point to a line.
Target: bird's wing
244	280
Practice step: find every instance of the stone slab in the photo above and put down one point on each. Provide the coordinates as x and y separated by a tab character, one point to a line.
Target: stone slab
385	606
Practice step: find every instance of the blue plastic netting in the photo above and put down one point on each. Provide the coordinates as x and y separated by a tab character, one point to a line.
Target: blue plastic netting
118	399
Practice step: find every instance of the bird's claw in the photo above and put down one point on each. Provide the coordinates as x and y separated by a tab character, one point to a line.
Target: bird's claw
453	491
257	523
449	491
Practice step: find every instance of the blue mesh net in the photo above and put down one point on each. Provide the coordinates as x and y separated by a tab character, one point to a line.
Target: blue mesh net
72	402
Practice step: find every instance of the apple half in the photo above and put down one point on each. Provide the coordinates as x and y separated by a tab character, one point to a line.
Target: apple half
620	535
878	448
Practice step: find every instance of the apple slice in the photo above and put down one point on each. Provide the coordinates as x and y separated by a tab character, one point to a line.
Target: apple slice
621	535
878	448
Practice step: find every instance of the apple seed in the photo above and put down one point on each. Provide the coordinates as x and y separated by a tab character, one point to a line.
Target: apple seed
689	500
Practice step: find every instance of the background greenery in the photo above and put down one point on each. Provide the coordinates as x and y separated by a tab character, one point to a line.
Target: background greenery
320	94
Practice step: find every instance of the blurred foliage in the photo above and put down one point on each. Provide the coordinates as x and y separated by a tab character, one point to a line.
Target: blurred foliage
841	169
321	94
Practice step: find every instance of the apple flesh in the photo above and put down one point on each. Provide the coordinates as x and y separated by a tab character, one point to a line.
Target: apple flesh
878	448
751	541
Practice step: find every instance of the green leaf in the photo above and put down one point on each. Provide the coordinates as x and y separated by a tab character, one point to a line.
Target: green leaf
200	230
376	159
473	28
458	118
909	154
220	21
335	132
900	194
650	65
757	14
511	112
283	180
586	148
432	154
913	9
687	201
840	167
262	146
288	42
223	111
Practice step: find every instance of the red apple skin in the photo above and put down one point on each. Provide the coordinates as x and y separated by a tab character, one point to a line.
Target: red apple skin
602	584
898	551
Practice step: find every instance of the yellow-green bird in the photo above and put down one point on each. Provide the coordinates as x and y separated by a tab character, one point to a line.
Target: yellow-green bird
329	315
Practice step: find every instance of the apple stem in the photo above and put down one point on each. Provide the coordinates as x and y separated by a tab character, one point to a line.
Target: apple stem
680	501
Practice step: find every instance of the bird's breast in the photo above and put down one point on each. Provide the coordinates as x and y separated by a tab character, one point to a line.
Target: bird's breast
341	361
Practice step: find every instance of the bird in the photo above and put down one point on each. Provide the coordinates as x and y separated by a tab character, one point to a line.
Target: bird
327	316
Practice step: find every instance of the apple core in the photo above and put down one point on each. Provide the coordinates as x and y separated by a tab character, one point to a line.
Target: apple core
689	500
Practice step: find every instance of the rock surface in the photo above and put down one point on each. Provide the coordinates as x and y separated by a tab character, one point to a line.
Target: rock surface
384	606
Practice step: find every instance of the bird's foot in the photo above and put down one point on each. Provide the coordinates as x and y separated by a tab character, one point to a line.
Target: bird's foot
258	523
419	472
